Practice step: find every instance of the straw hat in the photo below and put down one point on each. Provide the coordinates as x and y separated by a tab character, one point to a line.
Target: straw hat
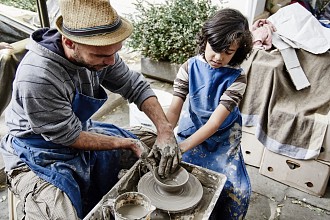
92	22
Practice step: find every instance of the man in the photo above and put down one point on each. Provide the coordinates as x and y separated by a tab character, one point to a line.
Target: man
59	162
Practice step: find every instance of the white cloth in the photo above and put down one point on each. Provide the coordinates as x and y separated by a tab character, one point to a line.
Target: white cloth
292	63
300	29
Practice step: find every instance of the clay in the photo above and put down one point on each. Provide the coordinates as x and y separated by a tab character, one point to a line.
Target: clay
132	211
174	182
133	205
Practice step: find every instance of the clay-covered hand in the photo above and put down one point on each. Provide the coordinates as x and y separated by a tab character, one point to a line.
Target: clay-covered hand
139	148
144	152
166	152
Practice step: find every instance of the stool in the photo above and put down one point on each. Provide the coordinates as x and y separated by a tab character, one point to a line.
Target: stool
13	202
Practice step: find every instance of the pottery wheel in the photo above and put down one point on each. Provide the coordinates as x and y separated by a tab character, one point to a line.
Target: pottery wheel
183	200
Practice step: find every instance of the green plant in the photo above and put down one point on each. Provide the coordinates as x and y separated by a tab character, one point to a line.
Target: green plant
167	32
30	5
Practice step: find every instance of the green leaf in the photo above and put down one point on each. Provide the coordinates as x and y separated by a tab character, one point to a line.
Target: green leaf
167	32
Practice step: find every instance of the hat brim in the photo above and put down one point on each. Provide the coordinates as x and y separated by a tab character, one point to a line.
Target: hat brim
119	35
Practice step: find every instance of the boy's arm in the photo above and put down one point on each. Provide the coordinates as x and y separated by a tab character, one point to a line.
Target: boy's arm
207	130
173	113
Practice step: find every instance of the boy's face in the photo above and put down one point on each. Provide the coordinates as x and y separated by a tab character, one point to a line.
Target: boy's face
217	60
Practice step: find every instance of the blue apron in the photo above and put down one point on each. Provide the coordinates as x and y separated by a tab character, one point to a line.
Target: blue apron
73	170
221	152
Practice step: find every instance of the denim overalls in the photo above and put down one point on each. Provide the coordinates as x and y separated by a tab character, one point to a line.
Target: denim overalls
85	176
221	152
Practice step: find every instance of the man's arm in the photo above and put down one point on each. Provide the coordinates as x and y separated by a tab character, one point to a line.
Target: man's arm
165	149
95	141
133	86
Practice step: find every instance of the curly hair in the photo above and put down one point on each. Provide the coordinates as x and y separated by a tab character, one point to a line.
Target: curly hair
224	28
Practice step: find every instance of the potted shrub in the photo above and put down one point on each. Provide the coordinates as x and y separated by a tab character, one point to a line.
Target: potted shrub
165	34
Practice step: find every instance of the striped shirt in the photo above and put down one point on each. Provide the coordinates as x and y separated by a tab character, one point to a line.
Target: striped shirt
231	97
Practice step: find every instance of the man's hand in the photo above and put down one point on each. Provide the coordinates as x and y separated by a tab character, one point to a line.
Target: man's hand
144	150
167	153
139	148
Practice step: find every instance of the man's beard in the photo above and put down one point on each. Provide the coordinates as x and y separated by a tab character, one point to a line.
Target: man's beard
81	62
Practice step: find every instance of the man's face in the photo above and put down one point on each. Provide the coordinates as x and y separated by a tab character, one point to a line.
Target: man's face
96	57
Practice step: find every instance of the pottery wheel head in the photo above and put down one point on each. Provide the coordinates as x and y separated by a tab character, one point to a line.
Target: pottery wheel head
184	199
